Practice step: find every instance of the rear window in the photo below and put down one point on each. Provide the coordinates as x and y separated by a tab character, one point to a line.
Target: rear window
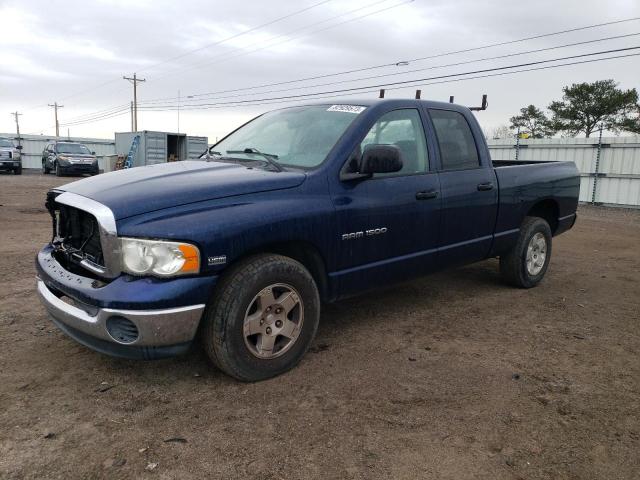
457	146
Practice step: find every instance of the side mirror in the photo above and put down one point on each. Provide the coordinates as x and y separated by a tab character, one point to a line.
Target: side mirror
380	159
19	147
93	153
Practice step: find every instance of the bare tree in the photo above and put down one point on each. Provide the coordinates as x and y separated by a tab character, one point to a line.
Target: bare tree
501	132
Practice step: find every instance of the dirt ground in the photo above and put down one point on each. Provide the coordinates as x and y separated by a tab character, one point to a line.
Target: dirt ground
454	376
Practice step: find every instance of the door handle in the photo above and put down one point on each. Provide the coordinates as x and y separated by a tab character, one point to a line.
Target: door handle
485	186
426	195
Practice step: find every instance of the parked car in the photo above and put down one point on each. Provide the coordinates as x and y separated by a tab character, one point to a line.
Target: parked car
300	205
69	158
10	158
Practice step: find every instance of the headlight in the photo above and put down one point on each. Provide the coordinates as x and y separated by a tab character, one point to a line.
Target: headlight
159	258
63	157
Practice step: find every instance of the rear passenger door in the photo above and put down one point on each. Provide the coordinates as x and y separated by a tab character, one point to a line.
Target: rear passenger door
468	188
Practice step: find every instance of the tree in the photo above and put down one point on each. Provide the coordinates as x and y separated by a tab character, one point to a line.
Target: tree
586	106
532	121
501	132
632	124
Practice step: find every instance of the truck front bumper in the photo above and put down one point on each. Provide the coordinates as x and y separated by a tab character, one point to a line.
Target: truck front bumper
159	330
78	168
8	165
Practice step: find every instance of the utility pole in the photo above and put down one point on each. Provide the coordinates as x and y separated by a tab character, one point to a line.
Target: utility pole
16	114
135	81
55	108
132	117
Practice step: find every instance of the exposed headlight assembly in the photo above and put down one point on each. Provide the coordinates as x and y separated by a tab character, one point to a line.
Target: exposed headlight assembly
159	258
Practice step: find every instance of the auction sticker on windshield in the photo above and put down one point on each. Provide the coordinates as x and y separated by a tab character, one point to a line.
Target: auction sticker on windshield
346	108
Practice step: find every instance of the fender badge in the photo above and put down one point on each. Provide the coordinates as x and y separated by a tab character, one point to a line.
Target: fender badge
219	260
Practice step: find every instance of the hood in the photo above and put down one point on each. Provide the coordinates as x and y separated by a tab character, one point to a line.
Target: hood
154	187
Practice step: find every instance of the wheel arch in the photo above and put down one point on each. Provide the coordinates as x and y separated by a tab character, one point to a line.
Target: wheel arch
302	251
548	210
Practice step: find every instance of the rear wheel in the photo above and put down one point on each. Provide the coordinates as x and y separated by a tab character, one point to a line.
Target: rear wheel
526	264
262	317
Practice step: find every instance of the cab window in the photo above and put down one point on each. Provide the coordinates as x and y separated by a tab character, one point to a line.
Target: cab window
457	147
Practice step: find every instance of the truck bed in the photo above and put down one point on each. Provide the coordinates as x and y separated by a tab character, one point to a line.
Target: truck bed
523	184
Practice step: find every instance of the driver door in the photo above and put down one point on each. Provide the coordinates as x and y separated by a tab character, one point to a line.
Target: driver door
388	224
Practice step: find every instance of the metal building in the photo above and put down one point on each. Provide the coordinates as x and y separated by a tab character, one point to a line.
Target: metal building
160	147
609	169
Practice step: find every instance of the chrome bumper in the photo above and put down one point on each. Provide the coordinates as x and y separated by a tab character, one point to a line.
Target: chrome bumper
156	328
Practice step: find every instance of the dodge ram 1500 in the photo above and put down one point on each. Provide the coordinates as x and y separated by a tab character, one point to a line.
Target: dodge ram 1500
299	206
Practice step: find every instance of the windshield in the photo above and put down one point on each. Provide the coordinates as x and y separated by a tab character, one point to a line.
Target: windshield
72	148
6	143
296	137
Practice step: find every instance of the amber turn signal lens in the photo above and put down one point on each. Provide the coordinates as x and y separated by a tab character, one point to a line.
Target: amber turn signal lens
191	257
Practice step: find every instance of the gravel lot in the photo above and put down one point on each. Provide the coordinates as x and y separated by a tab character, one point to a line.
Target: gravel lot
454	376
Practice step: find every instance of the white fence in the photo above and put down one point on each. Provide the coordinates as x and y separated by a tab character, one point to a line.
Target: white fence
33	145
609	171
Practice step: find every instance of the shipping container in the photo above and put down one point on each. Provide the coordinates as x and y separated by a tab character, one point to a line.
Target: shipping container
160	147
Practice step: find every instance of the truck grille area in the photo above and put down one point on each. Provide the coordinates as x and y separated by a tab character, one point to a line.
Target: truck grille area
76	237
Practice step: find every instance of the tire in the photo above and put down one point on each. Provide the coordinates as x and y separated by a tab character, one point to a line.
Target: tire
514	266
58	170
18	171
239	296
46	170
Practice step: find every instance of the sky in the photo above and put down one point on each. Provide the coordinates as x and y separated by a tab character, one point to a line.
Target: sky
202	55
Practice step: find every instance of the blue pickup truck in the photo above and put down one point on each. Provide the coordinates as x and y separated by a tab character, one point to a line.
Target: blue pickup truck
299	206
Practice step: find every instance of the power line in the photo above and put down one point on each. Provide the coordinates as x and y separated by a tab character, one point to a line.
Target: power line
393	64
98	112
232	37
218	42
434	67
135	82
16	114
114	113
374	89
342	95
98	118
313	24
396	63
230	55
55	109
538	62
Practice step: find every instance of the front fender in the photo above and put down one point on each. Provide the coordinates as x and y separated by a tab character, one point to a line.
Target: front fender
230	228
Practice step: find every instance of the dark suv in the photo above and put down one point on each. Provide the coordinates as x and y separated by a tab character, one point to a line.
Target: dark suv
69	158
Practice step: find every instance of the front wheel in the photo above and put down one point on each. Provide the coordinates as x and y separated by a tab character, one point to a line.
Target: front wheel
18	171
262	318
525	265
45	169
58	170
